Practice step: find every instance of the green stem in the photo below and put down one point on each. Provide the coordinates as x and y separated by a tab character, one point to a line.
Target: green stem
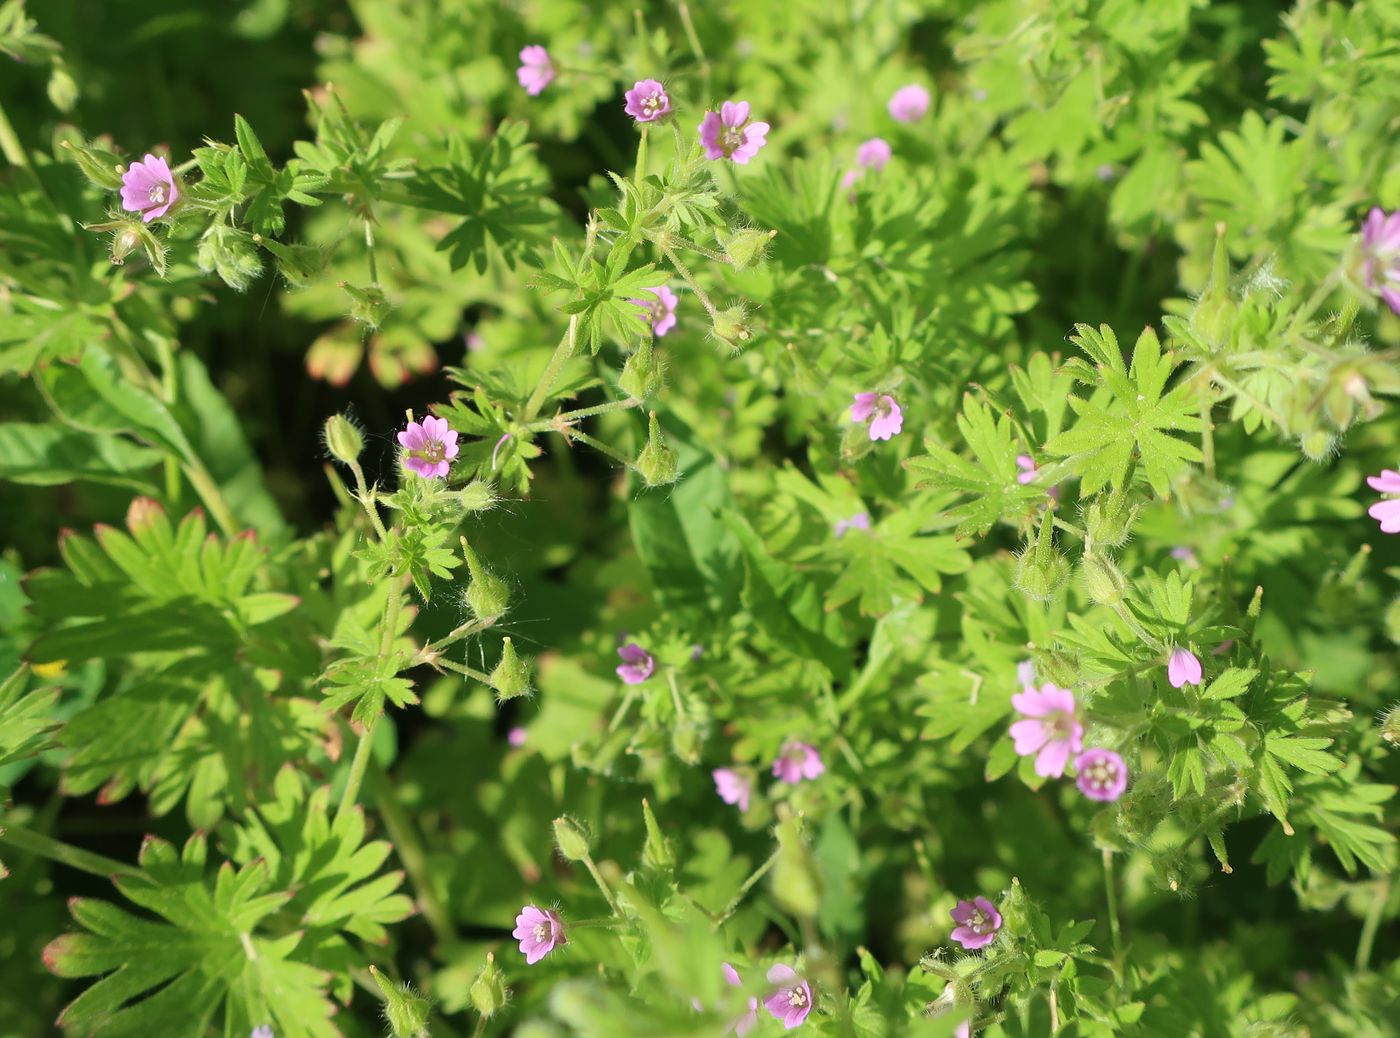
581	413
463	669
1114	928
557	360
734	903
693	38
640	169
599	445
688	277
432	649
410	850
1372	923
602	884
369	244
363	495
64	854
211	495
357	771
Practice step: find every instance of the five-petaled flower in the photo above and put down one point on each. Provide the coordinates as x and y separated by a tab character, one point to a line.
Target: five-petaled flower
539	932
429	446
1380	256
909	103
1101	774
148	188
1386	512
1050	729
798	761
881	411
1183	668
732	787
661	311
536	70
793	1000
636	665
859	521
874	153
978	922
727	134
647	101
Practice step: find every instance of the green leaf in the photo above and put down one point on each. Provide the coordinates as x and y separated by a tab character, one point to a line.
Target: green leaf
49	455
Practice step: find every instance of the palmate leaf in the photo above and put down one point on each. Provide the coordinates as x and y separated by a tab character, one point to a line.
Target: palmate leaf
988	480
1136	423
210	958
25	725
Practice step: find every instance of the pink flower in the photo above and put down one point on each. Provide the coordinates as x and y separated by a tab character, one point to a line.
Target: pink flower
798	761
1102	775
874	153
647	101
793	1000
261	1031
909	103
429	446
725	135
148	188
881	411
744	1024
978	922
1026	464
963	1030
517	736
1050	728
536	71
859	521
661	312
1380	264
1183	668
539	933
636	665
732	788
1025	674
1386	512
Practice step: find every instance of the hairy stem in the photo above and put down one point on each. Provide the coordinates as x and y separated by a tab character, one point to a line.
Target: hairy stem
583	412
560	357
738	898
602	884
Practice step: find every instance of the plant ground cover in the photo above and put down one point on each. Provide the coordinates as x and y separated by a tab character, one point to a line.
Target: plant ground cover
608	519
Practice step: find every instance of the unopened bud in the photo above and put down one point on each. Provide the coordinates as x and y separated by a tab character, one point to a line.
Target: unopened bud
343	439
644	373
656	462
511	678
1103	580
1318	445
732	328
231	254
489	993
405	1011
571	839
745	247
487	595
1390	725
1040	568
476	496
125	241
1109	519
656	852
1215	311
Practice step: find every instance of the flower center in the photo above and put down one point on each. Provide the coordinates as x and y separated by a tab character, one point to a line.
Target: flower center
732	139
978	922
1062	724
797	997
157	194
653	103
1102	774
541	932
434	452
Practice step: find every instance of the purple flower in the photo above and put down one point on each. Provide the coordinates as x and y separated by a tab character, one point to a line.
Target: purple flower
744	1024
859	521
1380	252
978	922
1184	553
1183	668
1025	674
793	1000
732	788
909	103
647	101
881	411
536	71
516	736
874	153
1050	729
636	665
1026	464
798	761
539	933
1102	775
1386	512
262	1031
148	188
429	446
725	135
661	312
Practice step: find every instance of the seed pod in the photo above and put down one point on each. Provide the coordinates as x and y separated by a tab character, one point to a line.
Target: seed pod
476	496
489	993
404	1010
571	838
511	678
732	328
1103	580
343	439
487	595
644	373
656	462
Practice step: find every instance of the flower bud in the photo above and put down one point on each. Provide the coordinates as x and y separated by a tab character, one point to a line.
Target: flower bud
477	496
644	373
1040	568
231	254
368	305
731	327
343	439
795	881
656	462
1390	725
1109	519
1102	579
405	1012
1318	445
656	852
489	993
125	241
571	839
99	165
1215	311
745	247
487	595
511	678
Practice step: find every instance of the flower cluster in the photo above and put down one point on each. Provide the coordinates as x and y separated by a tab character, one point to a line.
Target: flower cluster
1050	730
